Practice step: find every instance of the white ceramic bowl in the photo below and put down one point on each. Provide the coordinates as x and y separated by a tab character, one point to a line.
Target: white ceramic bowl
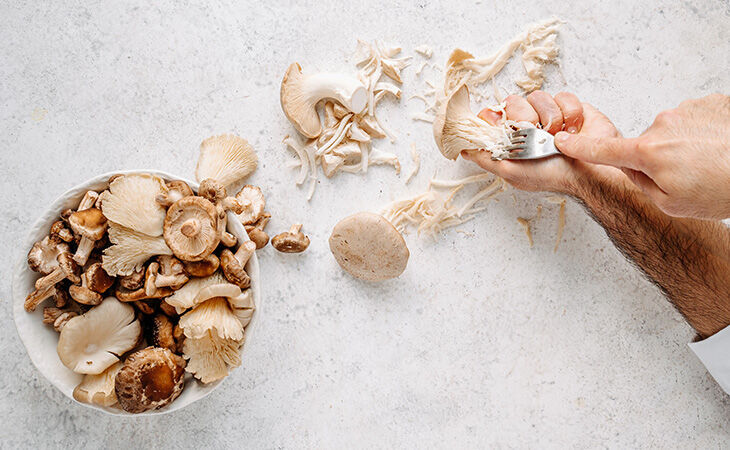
40	340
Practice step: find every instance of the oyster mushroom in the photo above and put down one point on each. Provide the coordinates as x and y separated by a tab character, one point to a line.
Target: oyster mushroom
149	379
457	128
131	250
91	225
131	202
368	247
98	389
191	228
197	290
253	202
233	265
211	357
176	189
92	342
292	241
226	158
300	94
212	314
203	268
243	306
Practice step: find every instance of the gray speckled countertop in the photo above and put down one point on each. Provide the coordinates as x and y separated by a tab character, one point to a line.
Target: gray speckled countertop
482	341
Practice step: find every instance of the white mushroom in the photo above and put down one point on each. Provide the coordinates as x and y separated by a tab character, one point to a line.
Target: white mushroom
98	389
457	128
214	314
92	342
130	250
130	202
368	247
226	158
300	94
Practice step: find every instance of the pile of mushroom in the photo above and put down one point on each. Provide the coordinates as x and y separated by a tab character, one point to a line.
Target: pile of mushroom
147	283
343	142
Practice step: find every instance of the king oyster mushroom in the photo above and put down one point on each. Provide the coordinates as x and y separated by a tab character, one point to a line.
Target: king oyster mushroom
92	342
300	94
191	228
131	202
457	128
226	158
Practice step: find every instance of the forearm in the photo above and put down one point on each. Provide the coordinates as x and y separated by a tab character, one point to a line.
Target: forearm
688	259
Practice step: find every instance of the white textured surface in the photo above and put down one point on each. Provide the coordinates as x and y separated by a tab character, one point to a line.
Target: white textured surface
482	341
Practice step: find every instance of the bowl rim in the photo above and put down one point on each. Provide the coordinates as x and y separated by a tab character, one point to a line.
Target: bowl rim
18	298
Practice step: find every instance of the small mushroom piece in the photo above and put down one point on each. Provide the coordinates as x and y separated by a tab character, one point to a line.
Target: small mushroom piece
292	241
90	343
168	309
96	278
149	379
176	189
42	256
258	236
368	247
197	290
61	298
233	265
158	331
87	201
457	128
253	202
131	202
300	94
98	389
167	271
203	268
133	281
45	286
226	158
127	296
214	192
57	317
144	307
82	294
191	228
243	306
61	232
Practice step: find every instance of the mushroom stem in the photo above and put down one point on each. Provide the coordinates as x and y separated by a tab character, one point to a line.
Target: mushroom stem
296	228
190	228
83	251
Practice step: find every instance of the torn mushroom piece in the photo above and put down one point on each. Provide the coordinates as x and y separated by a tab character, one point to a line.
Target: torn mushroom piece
91	225
191	228
214	192
92	342
226	158
203	268
176	189
292	241
166	271
128	295
300	94
233	265
45	286
253	202
243	306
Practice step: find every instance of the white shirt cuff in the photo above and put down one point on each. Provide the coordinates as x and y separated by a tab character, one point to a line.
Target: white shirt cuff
714	352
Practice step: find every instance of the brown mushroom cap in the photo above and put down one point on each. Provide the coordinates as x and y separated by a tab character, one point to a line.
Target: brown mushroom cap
150	379
89	223
292	241
42	256
369	247
97	279
258	236
191	228
203	268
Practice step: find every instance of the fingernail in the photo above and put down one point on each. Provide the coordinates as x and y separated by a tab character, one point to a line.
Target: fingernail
562	137
572	130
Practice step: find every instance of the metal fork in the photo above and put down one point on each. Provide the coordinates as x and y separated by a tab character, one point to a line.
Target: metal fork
531	143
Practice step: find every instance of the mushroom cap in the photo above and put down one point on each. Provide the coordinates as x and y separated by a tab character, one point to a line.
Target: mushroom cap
97	279
253	202
203	268
131	202
42	256
292	241
190	228
226	158
369	247
92	342
299	95
213	314
150	379
197	290
98	389
89	223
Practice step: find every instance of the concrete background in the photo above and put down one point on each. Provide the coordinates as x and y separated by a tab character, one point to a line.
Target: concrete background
482	341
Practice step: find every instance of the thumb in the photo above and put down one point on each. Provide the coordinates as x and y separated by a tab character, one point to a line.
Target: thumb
617	152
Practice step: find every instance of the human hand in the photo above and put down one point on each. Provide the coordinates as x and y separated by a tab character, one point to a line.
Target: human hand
681	162
556	173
